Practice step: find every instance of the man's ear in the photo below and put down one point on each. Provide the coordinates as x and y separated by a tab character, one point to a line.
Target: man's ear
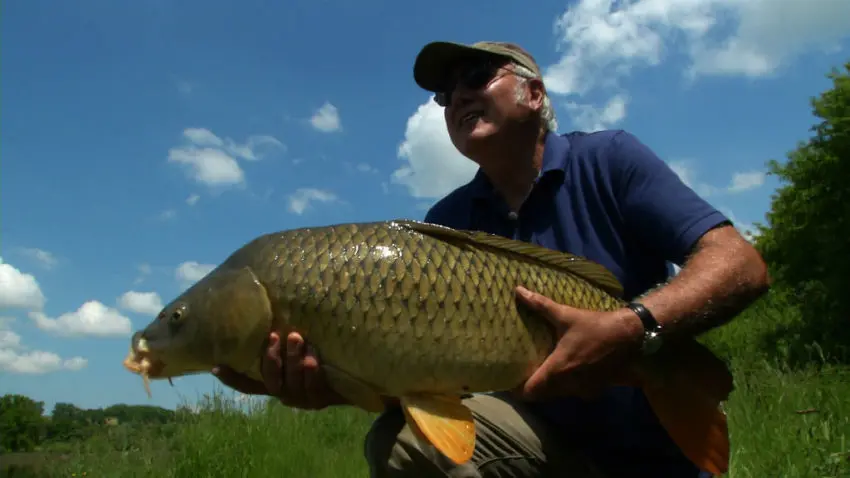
537	93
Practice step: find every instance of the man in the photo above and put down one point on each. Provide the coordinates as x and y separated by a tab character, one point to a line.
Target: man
604	196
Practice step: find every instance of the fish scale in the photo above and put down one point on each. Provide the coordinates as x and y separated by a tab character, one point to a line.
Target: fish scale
418	312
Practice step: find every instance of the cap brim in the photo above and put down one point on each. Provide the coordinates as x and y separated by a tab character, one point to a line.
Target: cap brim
435	61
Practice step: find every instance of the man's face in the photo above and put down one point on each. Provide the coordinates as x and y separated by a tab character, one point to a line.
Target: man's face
483	101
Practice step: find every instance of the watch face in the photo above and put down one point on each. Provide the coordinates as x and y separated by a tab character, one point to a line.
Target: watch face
651	342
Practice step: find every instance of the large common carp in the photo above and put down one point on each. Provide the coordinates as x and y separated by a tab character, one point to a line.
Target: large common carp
421	313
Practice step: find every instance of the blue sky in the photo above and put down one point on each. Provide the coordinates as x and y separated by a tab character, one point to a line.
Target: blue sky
142	142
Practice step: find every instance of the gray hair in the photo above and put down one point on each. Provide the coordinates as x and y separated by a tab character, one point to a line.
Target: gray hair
547	113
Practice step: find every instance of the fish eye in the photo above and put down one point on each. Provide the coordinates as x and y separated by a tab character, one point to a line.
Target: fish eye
178	313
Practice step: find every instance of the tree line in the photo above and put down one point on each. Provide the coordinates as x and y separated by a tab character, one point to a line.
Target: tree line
806	239
24	425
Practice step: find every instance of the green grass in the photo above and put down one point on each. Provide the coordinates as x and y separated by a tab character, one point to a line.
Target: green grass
784	422
225	439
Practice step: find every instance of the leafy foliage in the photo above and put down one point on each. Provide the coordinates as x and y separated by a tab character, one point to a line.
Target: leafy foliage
24	427
21	423
806	242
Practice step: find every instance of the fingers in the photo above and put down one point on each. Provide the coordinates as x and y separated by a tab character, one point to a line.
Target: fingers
291	373
272	365
294	370
558	314
315	390
535	301
539	383
547	382
239	382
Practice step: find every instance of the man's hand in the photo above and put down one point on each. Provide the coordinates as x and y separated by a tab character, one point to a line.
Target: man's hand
298	382
591	351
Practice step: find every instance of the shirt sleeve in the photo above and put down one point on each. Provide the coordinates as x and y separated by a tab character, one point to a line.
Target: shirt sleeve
662	211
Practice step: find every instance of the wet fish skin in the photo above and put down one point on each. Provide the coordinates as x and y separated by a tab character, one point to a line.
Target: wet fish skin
398	308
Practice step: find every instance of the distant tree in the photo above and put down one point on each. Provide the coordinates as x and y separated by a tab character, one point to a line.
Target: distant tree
21	423
139	413
68	422
807	239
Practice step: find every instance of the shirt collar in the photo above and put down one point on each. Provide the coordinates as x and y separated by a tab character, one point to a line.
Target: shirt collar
555	149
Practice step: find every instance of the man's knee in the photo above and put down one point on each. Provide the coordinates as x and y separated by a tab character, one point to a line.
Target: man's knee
391	449
507	444
382	437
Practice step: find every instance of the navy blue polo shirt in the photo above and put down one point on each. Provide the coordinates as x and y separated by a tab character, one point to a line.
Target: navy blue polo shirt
607	197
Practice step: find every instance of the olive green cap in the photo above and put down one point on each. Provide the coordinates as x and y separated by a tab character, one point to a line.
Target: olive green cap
435	60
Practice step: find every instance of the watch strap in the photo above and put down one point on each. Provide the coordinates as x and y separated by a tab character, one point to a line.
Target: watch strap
651	328
645	316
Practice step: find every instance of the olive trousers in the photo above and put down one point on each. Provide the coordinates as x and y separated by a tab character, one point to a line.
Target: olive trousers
511	442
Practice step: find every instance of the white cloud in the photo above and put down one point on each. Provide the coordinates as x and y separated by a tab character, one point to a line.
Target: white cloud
92	318
366	168
740	182
202	137
37	362
301	199
588	118
250	150
433	166
211	160
9	340
190	272
148	303
603	41
45	258
75	363
770	34
144	271
19	290
747	229
326	119
746	181
15	357
209	166
193	199
687	173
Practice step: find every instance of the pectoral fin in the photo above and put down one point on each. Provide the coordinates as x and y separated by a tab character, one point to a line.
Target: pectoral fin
355	391
443	421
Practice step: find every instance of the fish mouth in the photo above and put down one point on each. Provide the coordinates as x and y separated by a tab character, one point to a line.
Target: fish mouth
140	362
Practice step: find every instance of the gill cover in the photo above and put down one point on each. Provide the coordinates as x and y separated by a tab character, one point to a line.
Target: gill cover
221	320
234	313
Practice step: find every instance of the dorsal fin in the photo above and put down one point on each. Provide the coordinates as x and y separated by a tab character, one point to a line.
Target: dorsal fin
588	270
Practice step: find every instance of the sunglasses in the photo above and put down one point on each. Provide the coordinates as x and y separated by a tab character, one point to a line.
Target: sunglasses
473	77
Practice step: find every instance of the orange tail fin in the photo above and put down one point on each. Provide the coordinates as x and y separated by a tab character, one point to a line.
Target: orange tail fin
685	386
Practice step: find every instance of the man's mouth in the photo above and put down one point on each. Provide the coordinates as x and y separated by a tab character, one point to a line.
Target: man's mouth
140	362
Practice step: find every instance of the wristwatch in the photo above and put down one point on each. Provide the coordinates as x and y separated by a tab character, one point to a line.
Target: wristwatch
652	338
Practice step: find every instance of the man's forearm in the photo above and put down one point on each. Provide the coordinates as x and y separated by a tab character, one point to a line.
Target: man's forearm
723	276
